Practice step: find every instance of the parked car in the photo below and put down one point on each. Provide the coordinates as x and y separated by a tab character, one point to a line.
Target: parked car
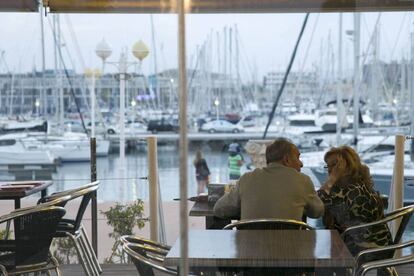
155	126
130	128
221	126
100	128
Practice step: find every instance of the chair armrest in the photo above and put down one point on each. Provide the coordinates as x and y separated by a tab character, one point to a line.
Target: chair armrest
68	192
388	218
399	210
140	240
54	202
383	263
381	250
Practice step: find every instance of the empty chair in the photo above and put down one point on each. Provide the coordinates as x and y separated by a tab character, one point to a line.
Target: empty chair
362	269
148	255
34	229
144	241
73	228
146	258
268	224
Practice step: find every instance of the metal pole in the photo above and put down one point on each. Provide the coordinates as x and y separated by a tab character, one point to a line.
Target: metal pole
357	28
183	140
94	204
397	185
153	186
339	112
92	97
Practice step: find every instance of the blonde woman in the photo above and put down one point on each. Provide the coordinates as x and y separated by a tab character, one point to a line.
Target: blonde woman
202	172
350	199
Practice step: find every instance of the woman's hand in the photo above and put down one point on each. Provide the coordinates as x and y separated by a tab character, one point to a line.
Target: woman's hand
339	170
327	185
336	173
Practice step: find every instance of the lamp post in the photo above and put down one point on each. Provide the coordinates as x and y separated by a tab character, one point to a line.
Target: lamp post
133	104
92	75
37	104
140	51
217	103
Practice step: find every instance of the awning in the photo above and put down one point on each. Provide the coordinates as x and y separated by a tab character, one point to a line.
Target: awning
18	6
227	6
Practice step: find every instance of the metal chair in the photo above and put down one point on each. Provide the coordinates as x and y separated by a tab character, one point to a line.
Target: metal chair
34	229
361	270
268	224
73	228
147	257
404	214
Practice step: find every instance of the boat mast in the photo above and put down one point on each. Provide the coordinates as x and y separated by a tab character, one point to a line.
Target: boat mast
154	48
11	95
375	87
339	112
357	34
412	97
43	95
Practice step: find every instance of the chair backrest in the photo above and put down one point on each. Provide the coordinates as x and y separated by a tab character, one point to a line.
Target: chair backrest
404	214
268	224
140	240
85	192
146	258
34	230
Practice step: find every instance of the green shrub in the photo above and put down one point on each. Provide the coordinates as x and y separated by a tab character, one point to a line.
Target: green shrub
123	218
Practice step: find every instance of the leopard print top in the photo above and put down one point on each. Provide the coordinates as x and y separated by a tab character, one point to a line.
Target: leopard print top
350	204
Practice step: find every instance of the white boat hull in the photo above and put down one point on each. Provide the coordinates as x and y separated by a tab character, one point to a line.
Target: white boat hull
26	157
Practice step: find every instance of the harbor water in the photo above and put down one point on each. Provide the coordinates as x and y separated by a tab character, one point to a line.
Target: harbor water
113	187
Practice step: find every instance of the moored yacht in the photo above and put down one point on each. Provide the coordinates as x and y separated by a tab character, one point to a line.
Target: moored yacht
68	147
14	151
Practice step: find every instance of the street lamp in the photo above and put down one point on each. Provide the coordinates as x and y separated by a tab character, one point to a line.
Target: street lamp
37	104
92	75
133	104
217	103
104	51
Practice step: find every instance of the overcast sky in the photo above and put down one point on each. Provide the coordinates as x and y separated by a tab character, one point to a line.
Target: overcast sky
265	40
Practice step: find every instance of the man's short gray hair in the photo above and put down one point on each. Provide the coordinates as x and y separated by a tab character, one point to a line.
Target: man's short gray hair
276	151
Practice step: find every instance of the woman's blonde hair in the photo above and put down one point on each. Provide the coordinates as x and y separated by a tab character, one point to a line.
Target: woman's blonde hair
355	169
198	157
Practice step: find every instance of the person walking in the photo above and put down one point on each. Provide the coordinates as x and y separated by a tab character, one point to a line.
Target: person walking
202	172
235	161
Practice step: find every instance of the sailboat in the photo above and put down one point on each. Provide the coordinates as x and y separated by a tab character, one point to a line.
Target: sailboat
14	151
68	147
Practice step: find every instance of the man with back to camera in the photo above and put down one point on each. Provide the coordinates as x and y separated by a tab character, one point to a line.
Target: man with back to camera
279	190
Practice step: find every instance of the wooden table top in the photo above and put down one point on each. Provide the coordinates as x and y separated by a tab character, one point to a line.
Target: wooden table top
263	248
202	209
15	193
